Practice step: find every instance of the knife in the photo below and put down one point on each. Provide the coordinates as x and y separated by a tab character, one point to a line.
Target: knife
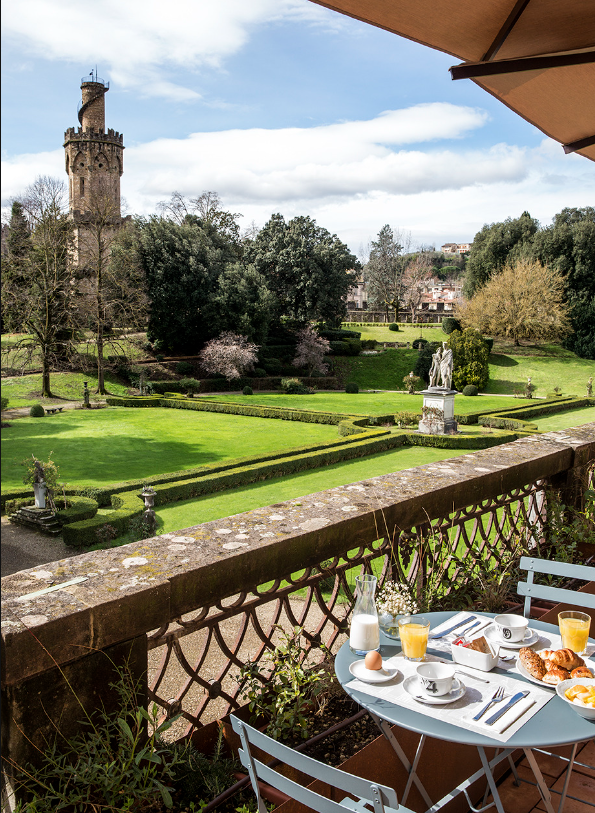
504	709
450	629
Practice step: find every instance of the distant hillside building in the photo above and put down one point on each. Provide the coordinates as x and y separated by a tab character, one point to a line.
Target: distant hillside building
456	248
94	161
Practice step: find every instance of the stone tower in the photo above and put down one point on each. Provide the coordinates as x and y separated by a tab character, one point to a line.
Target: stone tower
94	159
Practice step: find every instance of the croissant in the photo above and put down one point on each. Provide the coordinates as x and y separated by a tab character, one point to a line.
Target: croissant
555	675
567	659
547	654
581	672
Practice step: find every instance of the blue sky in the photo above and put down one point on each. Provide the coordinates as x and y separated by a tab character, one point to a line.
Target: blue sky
279	106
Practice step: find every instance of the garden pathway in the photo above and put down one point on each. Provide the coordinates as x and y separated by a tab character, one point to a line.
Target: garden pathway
23	548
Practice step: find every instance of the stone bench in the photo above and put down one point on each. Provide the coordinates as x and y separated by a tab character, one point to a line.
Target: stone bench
53	410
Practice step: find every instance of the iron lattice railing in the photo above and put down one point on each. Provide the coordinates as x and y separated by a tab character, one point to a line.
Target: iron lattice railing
194	661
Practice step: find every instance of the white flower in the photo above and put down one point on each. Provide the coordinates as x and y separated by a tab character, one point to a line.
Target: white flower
396	599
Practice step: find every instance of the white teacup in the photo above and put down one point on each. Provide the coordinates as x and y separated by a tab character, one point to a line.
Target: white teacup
435	679
511	627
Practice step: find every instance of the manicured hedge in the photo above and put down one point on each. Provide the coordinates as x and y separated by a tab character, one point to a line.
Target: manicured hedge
84	533
81	508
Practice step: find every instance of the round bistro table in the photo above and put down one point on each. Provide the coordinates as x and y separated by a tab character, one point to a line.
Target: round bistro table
554	725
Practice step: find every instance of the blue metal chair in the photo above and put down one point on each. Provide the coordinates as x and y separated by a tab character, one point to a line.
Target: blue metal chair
557	594
371	796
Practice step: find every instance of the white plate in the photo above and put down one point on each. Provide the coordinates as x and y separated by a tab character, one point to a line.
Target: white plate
589	664
359	671
412	687
531	637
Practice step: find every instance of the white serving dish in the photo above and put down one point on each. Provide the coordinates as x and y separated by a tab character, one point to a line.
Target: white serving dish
472	658
585	711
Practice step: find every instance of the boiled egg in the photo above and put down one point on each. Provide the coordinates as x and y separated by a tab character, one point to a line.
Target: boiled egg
373	661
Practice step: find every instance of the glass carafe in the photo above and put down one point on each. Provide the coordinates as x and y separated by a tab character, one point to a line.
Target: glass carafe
364	635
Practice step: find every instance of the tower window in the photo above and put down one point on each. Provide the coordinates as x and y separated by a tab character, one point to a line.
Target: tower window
82	164
82	189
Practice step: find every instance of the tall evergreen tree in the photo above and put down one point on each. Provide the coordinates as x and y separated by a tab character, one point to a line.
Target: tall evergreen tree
14	265
305	267
383	273
494	246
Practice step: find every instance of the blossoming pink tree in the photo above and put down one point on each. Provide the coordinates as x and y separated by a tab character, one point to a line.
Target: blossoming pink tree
310	351
230	355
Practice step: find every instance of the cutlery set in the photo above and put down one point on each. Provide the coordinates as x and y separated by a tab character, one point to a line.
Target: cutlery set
498	695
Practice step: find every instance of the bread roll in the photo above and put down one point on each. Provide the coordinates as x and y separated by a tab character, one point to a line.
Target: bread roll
555	675
567	659
532	663
581	672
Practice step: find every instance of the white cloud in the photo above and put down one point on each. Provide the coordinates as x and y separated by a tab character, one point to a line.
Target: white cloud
352	176
136	40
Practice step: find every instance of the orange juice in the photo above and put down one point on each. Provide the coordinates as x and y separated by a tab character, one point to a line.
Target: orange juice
414	640
574	632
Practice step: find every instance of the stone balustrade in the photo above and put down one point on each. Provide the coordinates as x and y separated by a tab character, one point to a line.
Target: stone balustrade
125	601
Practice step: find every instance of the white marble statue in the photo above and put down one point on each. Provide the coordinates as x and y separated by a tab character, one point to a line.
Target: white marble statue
446	367
435	368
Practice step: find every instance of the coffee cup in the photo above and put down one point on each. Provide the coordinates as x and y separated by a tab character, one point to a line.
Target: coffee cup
435	679
511	628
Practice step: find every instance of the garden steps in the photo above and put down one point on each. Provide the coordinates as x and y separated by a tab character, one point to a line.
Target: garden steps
39	519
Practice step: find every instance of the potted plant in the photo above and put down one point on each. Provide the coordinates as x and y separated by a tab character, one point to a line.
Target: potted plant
43	477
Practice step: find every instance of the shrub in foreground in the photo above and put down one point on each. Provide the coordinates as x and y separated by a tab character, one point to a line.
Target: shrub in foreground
351	387
37	411
247	391
470	389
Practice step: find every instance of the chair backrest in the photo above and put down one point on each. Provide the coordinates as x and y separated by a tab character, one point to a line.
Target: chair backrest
379	796
531	590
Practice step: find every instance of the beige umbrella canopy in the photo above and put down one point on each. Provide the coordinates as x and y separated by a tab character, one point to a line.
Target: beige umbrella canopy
535	56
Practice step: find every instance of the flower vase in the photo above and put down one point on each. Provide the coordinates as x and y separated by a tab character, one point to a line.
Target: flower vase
389	624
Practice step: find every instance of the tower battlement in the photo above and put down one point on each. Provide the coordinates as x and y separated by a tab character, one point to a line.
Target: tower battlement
78	134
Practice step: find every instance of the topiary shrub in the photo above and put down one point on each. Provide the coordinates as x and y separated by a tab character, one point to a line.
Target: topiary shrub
258	372
4	402
293	386
351	387
489	344
470	389
190	385
272	366
247	391
184	368
449	323
423	364
37	411
470	357
417	344
393	326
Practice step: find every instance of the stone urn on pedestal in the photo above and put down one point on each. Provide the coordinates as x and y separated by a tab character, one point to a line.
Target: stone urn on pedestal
148	494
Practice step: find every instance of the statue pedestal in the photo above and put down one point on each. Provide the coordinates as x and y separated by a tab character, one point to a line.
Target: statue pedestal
438	412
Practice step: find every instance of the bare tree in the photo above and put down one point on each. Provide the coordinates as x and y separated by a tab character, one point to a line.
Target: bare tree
208	207
113	293
415	280
45	294
310	351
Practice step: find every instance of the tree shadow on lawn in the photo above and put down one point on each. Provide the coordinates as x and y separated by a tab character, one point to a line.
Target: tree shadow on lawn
502	361
103	460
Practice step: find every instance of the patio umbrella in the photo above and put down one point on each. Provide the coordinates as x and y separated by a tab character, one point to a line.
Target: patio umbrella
535	56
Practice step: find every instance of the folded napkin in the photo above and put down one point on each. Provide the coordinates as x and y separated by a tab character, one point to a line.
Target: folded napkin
511	716
484	622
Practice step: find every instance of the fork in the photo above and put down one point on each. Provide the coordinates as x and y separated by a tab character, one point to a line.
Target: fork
496	698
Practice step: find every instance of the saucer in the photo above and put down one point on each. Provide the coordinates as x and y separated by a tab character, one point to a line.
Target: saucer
359	671
411	686
531	637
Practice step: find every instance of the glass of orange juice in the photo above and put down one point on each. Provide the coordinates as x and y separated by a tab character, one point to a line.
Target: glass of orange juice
414	630
574	630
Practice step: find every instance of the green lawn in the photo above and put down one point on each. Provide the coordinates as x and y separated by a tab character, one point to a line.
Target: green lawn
25	390
555	368
564	420
192	512
365	403
117	444
406	332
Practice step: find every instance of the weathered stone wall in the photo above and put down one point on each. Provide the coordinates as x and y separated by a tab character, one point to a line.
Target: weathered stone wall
131	590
